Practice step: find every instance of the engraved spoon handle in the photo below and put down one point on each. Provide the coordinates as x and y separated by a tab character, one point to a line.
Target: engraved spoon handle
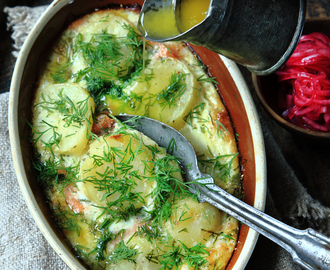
309	249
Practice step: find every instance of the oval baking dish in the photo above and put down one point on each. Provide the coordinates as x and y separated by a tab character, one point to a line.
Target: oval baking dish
234	93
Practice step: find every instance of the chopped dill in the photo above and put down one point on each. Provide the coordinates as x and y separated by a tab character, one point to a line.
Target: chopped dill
110	67
179	254
123	252
220	166
204	78
72	113
175	89
67	221
221	129
52	173
63	73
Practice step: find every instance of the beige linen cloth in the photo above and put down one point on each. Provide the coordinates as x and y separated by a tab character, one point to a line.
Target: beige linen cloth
22	245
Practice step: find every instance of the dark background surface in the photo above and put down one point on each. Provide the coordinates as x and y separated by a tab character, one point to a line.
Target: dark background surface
7	60
310	161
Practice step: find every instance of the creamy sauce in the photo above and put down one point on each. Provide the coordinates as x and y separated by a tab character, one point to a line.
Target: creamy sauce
163	23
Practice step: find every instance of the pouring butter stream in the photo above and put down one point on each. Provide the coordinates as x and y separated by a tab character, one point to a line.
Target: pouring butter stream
258	34
309	249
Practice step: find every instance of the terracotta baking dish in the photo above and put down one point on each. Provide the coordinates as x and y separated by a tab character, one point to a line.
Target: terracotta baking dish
234	92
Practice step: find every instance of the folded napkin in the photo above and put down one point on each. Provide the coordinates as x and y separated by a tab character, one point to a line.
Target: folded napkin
22	246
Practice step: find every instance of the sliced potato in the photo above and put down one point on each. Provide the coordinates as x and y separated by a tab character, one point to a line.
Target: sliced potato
167	97
63	116
173	111
114	23
97	30
148	253
116	165
193	221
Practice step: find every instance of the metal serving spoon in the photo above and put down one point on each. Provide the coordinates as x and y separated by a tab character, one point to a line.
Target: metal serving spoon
309	249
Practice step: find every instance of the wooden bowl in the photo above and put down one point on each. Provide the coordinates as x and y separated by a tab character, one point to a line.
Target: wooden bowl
234	92
267	89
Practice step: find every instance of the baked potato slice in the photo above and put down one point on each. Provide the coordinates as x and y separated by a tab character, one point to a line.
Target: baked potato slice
62	119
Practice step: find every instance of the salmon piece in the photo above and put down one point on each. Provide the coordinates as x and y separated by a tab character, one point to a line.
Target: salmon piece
164	52
102	123
118	137
167	51
127	234
63	172
71	200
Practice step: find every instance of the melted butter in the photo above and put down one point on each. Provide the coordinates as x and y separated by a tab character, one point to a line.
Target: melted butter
162	23
159	23
192	12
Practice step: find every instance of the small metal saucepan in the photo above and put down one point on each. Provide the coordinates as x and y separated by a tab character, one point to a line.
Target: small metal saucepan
258	34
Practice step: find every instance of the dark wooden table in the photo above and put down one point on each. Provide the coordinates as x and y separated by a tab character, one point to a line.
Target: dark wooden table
307	160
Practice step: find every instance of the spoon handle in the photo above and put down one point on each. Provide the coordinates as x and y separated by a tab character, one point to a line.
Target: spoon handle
309	249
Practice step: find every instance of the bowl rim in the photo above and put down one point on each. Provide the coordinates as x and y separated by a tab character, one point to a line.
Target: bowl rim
41	221
26	190
277	117
260	162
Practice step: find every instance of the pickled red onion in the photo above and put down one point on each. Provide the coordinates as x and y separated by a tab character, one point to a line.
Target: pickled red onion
305	78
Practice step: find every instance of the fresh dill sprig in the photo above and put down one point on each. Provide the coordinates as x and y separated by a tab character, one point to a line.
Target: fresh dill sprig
134	62
54	139
179	254
123	252
195	114
120	253
177	86
82	252
101	245
168	188
149	232
172	146
72	113
52	173
204	78
152	257
62	73
68	221
218	166
221	129
110	69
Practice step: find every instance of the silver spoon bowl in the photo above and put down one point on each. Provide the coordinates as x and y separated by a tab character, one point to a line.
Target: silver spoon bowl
309	249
